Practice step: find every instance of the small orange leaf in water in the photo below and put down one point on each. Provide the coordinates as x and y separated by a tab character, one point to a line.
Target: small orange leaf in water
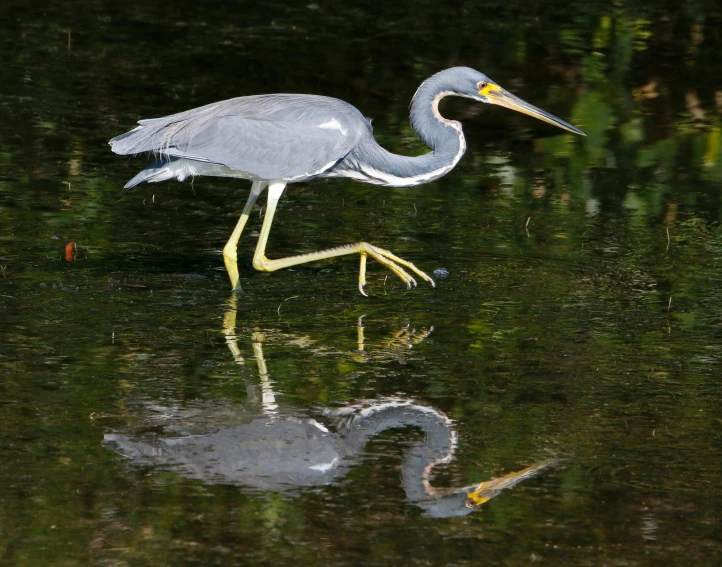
70	251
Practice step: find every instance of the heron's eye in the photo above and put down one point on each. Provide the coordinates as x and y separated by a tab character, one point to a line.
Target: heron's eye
470	503
482	86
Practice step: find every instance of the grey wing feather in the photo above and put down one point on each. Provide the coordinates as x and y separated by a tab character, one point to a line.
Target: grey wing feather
269	136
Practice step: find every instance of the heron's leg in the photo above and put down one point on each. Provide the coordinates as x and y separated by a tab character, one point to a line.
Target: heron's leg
268	398
229	330
230	257
391	261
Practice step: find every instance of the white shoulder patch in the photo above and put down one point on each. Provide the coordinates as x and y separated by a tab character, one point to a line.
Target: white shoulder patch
333	124
320	426
323	467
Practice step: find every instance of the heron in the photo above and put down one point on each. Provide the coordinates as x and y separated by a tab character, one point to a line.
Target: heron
274	446
290	451
276	139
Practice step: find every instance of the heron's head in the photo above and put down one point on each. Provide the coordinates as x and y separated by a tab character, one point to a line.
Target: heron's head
470	83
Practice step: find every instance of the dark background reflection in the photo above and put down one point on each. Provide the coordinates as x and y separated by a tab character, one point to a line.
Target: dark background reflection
581	316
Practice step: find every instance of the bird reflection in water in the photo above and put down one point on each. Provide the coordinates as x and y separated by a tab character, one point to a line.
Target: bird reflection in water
270	447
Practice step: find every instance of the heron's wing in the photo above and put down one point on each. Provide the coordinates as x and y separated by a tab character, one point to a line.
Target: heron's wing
268	149
272	136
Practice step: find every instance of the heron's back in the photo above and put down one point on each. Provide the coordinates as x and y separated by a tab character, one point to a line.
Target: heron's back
278	136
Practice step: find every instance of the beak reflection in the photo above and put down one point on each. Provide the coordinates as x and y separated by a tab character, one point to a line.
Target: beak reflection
485	491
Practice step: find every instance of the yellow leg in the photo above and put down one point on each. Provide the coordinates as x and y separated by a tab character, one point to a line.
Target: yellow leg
230	256
391	261
268	396
229	330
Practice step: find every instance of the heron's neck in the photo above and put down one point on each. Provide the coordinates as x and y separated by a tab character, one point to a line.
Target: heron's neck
437	447
371	163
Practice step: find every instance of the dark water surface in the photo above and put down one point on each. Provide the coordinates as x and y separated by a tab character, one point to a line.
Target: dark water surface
148	417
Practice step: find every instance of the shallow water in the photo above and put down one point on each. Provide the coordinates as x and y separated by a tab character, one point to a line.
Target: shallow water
579	325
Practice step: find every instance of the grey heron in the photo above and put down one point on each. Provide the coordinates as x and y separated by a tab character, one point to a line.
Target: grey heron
291	451
268	445
276	139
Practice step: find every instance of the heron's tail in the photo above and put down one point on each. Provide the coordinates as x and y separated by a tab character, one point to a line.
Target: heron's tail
138	140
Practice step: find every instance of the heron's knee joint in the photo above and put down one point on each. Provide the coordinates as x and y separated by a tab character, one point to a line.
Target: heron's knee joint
261	264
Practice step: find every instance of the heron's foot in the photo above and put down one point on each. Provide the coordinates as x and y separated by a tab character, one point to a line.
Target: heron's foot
407	337
396	346
364	249
392	262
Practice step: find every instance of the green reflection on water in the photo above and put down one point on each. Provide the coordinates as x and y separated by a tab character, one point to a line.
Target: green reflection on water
581	315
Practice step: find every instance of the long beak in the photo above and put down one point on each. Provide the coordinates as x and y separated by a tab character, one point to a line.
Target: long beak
485	491
496	95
